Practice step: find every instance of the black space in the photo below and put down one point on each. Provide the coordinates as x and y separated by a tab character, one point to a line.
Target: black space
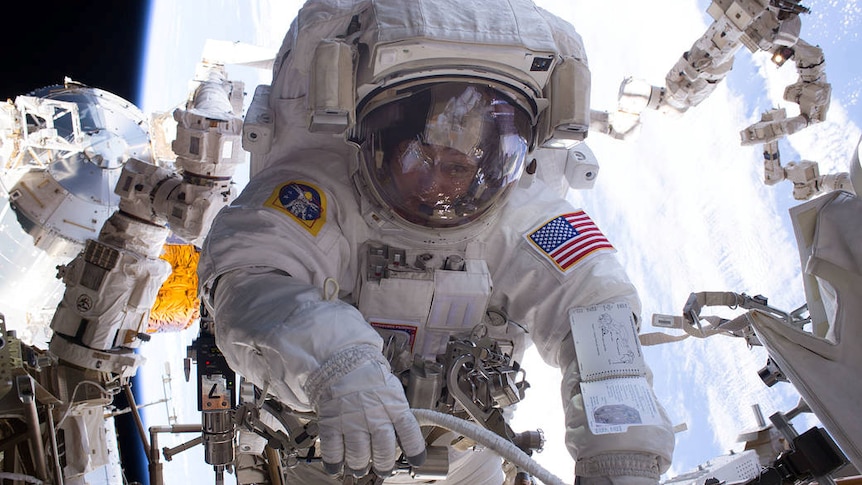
97	43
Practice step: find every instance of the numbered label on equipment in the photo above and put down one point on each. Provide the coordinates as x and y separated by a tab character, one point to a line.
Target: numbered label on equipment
215	394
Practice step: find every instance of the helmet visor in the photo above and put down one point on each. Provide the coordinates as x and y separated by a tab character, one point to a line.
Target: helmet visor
441	155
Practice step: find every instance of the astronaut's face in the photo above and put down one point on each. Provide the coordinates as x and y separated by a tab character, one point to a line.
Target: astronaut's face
431	178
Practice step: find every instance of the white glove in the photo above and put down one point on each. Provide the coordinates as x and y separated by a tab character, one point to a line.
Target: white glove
361	410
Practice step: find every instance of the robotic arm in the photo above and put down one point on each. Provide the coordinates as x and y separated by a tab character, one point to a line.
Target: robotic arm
760	25
805	174
207	152
811	92
113	283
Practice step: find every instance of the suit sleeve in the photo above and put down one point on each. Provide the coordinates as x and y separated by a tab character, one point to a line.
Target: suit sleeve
263	273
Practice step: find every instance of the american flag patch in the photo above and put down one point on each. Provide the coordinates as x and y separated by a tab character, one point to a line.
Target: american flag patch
567	239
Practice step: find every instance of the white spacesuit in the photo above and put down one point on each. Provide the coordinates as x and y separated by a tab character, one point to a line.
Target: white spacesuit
392	206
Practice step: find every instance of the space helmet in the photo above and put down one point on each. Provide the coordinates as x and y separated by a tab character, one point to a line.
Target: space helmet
443	110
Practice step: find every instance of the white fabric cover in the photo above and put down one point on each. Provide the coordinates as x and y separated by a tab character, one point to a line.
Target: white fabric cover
825	369
85	435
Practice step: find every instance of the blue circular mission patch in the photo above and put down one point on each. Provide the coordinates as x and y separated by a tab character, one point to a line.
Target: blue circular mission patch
302	201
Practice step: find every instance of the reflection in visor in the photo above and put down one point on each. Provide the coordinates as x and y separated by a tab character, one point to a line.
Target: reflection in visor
445	154
432	177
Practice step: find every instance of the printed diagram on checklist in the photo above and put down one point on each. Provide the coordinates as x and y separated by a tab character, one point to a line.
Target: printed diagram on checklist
613	372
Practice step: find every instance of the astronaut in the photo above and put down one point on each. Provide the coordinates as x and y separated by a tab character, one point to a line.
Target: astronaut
393	206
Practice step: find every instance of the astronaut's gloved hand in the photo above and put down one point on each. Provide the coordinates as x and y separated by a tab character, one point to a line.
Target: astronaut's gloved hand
363	414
